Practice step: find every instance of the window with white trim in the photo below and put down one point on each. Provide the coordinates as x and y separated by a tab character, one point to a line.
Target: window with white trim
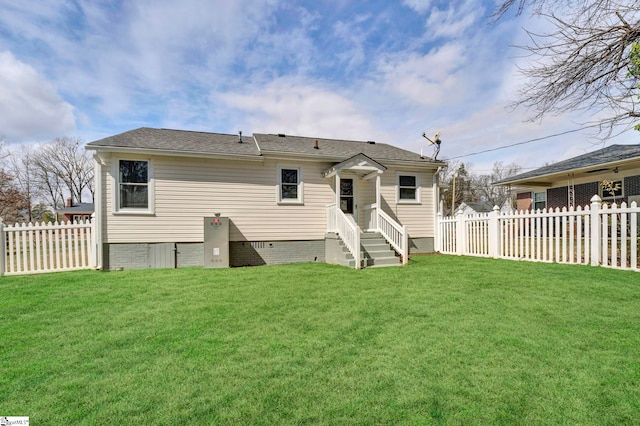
408	188
539	200
290	188
134	186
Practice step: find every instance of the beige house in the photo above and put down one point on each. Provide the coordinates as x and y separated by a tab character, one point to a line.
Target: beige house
288	199
574	181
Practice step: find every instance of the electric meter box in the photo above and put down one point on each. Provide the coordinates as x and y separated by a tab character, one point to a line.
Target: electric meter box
216	242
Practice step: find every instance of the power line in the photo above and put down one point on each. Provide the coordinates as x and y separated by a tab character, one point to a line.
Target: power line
522	143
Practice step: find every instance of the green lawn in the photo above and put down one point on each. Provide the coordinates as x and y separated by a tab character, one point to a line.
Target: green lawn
442	340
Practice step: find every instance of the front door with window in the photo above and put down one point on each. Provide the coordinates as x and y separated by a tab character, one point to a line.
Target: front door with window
347	196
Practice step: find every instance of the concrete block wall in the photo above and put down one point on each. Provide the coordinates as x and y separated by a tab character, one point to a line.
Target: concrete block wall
190	254
421	245
253	253
242	253
333	249
126	256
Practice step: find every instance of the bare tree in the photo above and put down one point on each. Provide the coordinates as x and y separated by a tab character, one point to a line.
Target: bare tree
457	181
583	62
3	155
472	187
25	178
490	193
63	168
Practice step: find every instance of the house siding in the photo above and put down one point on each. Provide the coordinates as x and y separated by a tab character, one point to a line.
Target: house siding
584	189
261	230
632	185
557	197
186	190
584	192
524	200
417	217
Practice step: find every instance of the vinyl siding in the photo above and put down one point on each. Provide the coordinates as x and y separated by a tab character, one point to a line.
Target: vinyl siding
419	218
188	189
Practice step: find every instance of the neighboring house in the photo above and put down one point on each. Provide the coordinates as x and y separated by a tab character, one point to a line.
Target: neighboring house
574	181
468	208
154	187
75	212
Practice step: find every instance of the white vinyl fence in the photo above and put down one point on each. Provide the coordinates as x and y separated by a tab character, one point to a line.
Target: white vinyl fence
596	235
38	247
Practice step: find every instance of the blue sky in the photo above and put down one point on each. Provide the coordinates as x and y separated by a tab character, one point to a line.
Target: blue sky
364	70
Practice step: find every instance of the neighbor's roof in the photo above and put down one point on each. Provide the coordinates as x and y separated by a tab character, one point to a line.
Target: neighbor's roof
190	142
479	207
587	163
78	208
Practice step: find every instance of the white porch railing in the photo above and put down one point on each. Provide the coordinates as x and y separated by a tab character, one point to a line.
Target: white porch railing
376	220
370	217
348	231
395	233
39	247
593	235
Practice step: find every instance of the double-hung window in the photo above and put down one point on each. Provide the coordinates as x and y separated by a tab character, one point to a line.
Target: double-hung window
134	191
539	200
408	188
290	189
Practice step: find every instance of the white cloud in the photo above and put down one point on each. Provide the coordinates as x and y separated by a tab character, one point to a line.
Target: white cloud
29	104
301	108
419	6
455	20
429	79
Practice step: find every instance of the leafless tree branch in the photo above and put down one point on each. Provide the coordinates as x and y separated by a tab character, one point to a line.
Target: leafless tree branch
582	64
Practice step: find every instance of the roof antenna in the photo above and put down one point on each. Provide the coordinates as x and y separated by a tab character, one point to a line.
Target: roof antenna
436	141
240	137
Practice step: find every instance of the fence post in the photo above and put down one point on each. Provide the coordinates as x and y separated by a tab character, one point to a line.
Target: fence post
595	230
93	256
437	244
3	244
461	234
405	245
494	233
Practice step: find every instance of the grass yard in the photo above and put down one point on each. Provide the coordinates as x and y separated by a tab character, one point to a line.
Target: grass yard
443	340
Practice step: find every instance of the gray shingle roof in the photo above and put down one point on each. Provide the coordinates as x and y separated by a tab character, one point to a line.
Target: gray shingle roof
78	208
610	154
334	148
479	207
222	144
180	141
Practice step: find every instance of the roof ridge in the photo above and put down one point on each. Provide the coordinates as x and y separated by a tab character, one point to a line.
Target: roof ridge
194	131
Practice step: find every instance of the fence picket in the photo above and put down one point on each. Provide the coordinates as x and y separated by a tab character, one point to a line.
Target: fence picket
46	247
596	235
634	235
